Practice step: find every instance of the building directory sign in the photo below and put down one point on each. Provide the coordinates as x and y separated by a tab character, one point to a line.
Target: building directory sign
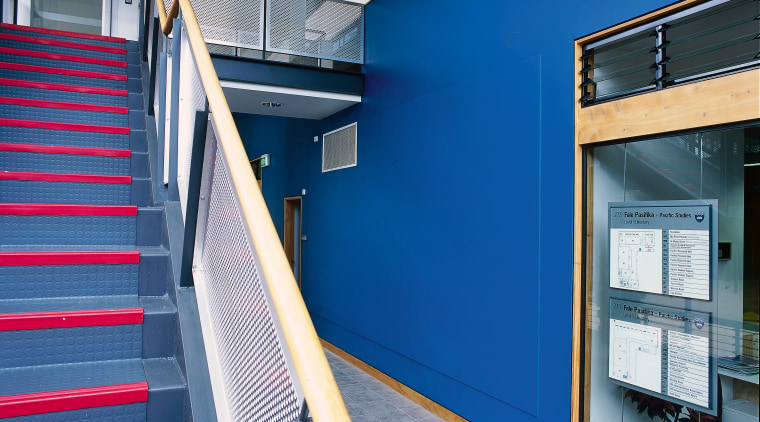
662	297
663	350
662	249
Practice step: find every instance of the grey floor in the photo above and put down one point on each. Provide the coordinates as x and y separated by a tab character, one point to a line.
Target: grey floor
369	400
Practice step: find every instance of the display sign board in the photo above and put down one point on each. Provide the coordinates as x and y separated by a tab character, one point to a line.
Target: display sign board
662	350
662	249
662	295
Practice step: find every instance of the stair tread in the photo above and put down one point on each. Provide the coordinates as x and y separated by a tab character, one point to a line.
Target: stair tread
60	43
60	71
73	58
157	305
62	33
163	373
63	105
68	248
84	303
27	380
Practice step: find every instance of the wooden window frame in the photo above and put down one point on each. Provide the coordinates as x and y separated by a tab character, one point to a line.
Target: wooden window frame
724	100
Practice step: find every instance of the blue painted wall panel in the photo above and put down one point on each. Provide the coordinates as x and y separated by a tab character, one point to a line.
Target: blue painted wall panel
444	259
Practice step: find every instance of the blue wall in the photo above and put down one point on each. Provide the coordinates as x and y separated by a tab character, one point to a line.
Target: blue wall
444	258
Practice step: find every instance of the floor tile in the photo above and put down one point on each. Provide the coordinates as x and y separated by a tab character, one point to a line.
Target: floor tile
369	400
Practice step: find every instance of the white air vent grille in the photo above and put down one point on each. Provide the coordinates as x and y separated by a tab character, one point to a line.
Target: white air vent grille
339	148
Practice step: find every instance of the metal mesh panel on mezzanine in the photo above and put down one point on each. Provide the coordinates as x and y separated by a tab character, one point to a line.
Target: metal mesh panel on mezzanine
252	363
242	25
322	29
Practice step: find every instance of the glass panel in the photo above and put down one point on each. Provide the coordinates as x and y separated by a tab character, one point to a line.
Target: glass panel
672	305
68	15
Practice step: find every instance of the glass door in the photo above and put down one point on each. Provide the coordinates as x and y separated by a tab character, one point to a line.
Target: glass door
87	16
673	229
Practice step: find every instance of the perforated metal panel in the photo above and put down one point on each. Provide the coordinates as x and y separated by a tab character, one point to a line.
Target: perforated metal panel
324	29
339	148
247	362
242	25
192	98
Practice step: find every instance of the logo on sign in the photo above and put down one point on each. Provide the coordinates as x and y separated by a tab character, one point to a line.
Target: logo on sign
699	323
699	216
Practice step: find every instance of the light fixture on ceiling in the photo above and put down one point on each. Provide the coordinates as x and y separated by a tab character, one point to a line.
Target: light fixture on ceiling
272	104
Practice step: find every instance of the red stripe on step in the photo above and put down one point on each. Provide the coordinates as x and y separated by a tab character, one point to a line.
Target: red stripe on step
64	177
67	72
66	57
54	149
36	124
67	319
68	209
63	33
65	44
70	258
80	398
63	87
63	105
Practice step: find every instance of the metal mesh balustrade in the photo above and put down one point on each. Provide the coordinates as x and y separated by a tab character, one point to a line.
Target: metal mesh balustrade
322	29
241	27
263	355
192	98
255	379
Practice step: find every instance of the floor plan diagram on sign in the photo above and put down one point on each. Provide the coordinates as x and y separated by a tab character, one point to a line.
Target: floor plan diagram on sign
636	259
636	354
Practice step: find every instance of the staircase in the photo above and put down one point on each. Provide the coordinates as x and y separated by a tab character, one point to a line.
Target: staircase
87	330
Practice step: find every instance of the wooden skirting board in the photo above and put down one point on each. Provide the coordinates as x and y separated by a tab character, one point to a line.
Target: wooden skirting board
407	392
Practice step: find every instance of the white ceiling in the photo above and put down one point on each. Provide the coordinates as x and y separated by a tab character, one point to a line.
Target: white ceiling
300	103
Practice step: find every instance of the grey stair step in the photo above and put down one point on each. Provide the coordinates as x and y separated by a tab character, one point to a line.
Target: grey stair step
167	393
43	192
62	137
10	306
160	326
15	381
46	114
65	163
32	32
51	77
27	42
61	95
67	230
15	57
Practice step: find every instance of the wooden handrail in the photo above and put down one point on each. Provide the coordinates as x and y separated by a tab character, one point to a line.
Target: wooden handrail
322	395
167	20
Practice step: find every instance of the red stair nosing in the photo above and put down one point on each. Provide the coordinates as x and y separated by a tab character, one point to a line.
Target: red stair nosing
68	209
65	44
62	33
65	57
69	258
55	149
64	177
64	87
69	319
79	398
63	105
80	127
61	71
